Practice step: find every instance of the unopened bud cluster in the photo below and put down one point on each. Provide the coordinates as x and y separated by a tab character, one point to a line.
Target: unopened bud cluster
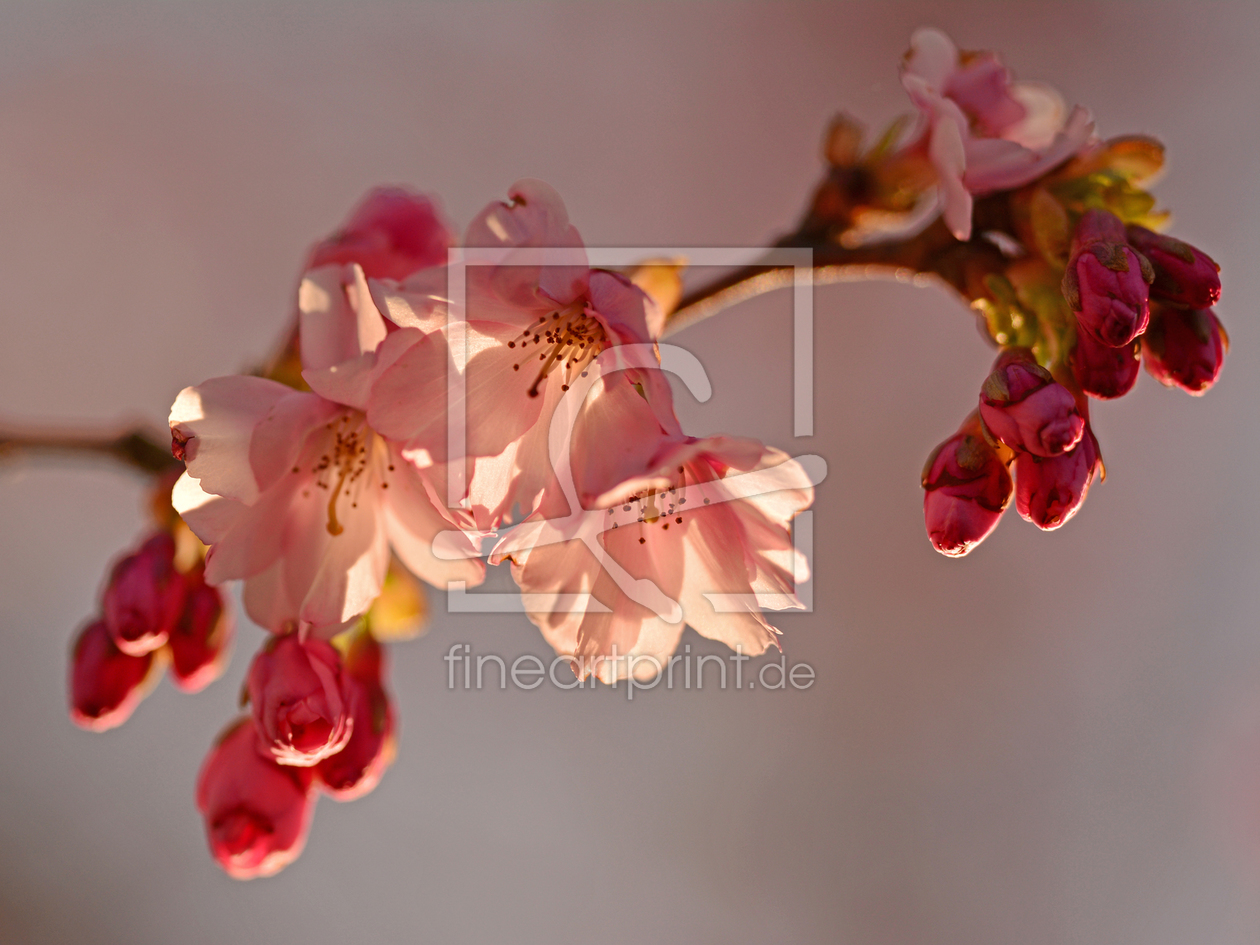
1072	282
157	611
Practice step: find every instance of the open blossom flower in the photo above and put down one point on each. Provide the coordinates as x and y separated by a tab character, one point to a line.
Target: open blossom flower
357	768
1027	409
1106	282
144	597
982	132
294	491
966	489
1049	491
106	684
298	693
1185	348
257	812
391	233
701	537
531	329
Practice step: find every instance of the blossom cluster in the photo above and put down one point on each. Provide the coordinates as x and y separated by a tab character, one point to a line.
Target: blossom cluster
306	491
442	406
157	610
1077	289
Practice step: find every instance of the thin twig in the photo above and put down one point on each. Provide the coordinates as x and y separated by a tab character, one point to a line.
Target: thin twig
139	447
931	254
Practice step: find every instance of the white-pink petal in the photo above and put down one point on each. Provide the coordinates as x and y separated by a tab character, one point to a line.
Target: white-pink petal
218	419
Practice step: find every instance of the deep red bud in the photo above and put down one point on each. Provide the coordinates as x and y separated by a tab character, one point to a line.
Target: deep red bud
1183	274
106	684
1048	492
1103	371
391	234
1185	348
967	488
1106	282
299	699
257	812
358	768
1026	408
144	597
202	636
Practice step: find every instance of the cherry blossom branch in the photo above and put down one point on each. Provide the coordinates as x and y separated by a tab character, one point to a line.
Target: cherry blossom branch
138	447
933	253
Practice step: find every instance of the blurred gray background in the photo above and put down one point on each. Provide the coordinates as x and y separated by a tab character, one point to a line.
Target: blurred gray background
1056	740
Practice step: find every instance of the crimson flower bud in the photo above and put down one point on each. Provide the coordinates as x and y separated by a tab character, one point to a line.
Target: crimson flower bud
298	692
201	637
967	488
1183	274
1048	491
257	812
1022	405
144	597
391	234
357	769
1106	282
1185	348
106	684
1103	371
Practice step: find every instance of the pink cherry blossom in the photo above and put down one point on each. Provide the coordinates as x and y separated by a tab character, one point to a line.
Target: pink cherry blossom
294	491
699	538
530	330
981	131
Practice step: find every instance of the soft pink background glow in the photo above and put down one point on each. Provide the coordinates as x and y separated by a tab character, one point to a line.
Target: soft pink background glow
1056	740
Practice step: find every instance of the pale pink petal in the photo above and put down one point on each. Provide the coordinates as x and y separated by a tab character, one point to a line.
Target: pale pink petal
996	164
209	516
412	521
1045	115
279	436
535	217
349	382
257	537
409	399
933	56
334	576
350	575
218	420
947	152
617	435
267	601
421	301
622	306
339	321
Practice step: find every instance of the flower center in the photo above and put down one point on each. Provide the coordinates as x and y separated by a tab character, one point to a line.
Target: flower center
654	508
570	339
352	456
